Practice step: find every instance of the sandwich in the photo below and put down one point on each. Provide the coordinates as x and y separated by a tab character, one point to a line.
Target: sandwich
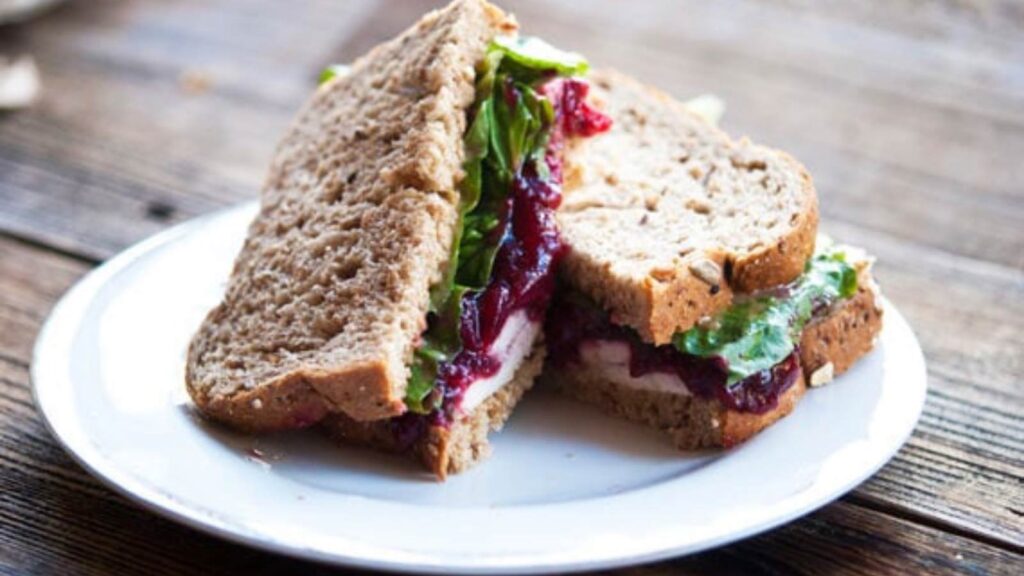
392	287
696	297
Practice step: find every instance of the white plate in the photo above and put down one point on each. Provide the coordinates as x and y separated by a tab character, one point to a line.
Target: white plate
566	488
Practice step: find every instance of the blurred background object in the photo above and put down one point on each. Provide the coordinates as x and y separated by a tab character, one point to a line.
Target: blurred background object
18	10
19	82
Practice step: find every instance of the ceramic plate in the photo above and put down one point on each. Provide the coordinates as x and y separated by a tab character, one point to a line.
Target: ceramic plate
565	489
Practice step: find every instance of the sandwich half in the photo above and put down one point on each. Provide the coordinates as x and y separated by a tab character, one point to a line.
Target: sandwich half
694	298
393	285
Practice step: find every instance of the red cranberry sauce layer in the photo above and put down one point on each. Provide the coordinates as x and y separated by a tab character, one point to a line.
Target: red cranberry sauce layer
523	277
571	323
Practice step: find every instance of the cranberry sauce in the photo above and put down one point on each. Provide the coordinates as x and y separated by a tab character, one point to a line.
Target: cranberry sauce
523	277
571	323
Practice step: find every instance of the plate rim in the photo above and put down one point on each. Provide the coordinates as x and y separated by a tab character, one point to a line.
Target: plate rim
65	318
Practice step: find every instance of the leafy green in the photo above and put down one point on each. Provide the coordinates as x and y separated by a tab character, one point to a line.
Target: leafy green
537	55
440	342
423	372
756	334
509	125
331	72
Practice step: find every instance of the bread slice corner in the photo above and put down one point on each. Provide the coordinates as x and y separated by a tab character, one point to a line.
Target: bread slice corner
452	449
667	217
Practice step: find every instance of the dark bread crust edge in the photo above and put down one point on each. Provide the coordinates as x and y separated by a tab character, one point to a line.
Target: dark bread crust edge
450	450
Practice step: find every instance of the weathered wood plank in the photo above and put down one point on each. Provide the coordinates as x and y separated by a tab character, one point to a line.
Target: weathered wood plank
964	464
152	113
31	280
57	519
847	539
916	123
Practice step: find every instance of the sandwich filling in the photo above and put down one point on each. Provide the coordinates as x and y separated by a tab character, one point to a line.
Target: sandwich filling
745	357
487	311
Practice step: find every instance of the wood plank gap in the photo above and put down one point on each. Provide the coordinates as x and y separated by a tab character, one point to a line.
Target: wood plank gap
15	361
980	266
40	245
870	503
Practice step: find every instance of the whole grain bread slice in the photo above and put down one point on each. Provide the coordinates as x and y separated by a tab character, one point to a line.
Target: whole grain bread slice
446	450
667	217
828	347
330	292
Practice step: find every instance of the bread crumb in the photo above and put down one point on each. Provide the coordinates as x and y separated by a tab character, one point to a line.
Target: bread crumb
257	404
194	82
823	375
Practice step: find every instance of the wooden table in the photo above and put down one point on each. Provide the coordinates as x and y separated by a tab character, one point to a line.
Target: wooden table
909	114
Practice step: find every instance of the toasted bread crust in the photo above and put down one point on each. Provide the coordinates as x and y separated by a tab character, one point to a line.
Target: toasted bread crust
301	398
667	217
449	450
738	427
329	294
784	260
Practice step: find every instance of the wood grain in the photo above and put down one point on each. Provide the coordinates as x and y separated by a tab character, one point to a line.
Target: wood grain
31	281
169	119
58	519
910	115
893	126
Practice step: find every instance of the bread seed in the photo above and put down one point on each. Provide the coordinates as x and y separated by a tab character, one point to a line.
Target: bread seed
823	375
707	271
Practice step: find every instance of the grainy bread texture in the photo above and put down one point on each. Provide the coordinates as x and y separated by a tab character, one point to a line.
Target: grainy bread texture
666	216
832	343
329	294
690	421
828	347
447	450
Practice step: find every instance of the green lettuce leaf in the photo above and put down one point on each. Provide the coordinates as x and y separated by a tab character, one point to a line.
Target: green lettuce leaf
423	372
331	72
439	343
503	134
757	334
537	56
